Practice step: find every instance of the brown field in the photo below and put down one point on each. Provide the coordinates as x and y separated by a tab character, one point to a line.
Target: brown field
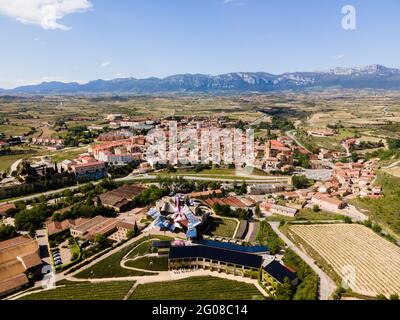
376	261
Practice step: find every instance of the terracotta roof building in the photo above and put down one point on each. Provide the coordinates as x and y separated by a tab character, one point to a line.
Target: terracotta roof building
17	257
94	226
54	227
120	199
327	203
233	202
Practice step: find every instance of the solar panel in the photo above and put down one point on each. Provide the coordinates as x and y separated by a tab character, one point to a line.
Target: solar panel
232	246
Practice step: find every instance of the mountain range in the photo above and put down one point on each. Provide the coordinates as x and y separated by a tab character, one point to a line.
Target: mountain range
369	77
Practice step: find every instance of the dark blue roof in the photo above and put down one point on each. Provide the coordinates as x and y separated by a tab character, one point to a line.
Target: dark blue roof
279	272
161	244
232	246
216	254
191	233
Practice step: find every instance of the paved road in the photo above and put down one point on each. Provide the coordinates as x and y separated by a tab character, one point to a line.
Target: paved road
355	214
292	135
392	165
149	177
251	179
326	285
14	166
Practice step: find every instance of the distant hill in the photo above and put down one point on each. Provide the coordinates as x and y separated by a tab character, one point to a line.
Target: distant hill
370	77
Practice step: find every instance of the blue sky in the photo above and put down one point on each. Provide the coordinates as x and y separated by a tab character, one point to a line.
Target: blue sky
142	38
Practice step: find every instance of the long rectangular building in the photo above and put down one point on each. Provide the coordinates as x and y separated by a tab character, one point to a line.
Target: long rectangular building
251	262
18	256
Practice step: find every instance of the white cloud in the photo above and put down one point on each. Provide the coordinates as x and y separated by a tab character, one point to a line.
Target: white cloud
339	57
235	3
44	13
105	64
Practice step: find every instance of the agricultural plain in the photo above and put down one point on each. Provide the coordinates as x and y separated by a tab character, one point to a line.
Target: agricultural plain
369	263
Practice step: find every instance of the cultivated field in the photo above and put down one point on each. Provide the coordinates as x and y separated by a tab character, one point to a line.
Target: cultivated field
376	261
195	289
84	291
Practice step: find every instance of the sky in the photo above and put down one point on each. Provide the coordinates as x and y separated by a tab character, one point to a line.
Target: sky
83	40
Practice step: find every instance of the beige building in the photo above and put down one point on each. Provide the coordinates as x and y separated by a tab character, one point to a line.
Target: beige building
122	231
96	225
328	203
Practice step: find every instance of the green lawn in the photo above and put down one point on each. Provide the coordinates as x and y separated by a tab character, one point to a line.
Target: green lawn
384	210
197	288
85	291
149	263
222	227
75	249
110	267
141	250
330	143
13	130
19	152
7	161
220	173
309	215
69	154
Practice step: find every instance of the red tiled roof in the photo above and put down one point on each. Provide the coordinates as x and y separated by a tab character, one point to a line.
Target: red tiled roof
13	283
13	242
88	165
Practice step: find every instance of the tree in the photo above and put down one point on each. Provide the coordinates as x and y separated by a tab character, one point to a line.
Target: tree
136	230
257	212
7	232
368	223
339	293
32	232
130	234
301	182
267	236
376	228
307	289
394	297
101	240
242	189
133	233
31	219
381	297
316	208
108	184
348	220
284	291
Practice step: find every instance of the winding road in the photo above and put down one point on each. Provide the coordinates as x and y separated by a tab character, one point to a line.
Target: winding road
14	166
326	285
